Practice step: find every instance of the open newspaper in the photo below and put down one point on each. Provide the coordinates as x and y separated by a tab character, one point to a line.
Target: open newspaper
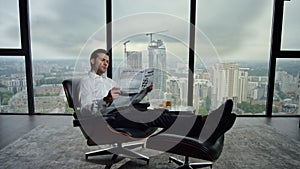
133	81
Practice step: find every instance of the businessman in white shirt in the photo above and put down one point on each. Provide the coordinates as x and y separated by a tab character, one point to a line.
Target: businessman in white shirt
99	95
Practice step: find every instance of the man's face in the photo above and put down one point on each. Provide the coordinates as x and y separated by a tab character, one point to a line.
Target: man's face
100	64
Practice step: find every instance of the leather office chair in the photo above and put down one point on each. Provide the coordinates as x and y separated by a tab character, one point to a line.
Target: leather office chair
98	132
208	150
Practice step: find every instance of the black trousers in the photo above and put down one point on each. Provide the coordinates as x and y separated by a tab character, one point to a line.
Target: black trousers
189	125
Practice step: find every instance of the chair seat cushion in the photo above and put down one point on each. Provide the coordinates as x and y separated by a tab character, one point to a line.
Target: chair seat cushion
186	146
141	132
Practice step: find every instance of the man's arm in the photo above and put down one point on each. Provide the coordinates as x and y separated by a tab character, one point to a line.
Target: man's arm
87	100
112	95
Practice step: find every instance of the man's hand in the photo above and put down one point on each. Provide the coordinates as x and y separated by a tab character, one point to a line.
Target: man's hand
115	92
112	95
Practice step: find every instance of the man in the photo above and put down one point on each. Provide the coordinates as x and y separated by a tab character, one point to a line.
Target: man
97	92
100	95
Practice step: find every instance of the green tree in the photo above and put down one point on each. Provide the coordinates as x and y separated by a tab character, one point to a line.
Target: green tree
68	109
202	111
5	96
207	103
280	93
15	90
251	108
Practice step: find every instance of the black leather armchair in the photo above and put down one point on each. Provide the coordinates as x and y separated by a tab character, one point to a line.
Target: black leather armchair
98	132
209	149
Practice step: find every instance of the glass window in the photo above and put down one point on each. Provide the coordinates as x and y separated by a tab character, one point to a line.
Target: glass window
64	33
153	34
287	87
9	21
290	26
13	90
232	54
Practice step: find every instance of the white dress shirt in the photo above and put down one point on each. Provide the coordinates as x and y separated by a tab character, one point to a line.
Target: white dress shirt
91	90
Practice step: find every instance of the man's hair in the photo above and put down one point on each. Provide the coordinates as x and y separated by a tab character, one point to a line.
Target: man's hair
96	52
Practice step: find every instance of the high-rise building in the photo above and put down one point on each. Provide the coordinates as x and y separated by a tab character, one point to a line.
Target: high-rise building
133	65
229	82
257	87
134	59
243	84
157	59
286	81
202	89
225	83
173	90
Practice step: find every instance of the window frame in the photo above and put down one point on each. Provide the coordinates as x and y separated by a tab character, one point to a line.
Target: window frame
276	53
275	50
24	51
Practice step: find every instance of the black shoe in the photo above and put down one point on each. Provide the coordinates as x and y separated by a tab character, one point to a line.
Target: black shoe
228	107
226	122
224	125
223	110
218	122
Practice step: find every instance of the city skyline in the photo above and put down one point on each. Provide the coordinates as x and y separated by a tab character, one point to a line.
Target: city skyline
47	81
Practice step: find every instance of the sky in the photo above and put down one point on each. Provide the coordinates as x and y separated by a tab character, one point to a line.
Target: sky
226	29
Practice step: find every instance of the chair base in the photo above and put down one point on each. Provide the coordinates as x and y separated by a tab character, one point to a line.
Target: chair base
124	150
186	165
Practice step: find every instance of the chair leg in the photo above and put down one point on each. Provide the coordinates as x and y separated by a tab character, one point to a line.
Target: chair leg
201	165
127	152
134	145
119	150
175	160
187	165
98	152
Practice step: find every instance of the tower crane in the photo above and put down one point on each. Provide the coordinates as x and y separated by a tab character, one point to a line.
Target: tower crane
151	33
125	45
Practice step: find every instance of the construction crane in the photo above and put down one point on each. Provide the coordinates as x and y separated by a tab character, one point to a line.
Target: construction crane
125	45
151	33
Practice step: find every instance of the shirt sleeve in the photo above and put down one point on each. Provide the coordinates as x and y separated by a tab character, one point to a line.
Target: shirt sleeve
87	102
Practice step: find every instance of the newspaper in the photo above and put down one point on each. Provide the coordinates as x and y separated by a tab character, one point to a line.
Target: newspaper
134	81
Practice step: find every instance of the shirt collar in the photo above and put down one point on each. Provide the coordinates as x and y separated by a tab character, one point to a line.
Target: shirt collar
94	75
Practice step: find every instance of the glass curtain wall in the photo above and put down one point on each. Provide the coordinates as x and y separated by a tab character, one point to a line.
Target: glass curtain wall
62	40
232	51
153	34
13	93
287	75
10	28
232	54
